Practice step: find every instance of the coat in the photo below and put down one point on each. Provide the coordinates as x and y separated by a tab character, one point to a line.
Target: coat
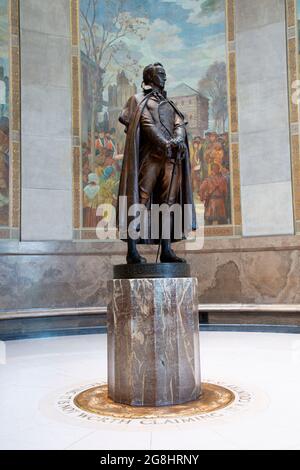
129	187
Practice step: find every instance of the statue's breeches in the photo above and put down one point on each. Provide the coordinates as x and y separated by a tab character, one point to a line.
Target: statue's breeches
156	175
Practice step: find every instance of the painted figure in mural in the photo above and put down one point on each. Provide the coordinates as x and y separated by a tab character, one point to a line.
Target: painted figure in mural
213	192
4	170
4	93
196	148
156	166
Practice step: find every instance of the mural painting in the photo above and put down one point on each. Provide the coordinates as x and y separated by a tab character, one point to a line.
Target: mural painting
118	39
4	113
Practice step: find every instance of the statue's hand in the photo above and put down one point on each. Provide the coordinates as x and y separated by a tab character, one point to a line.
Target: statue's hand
177	143
177	140
176	146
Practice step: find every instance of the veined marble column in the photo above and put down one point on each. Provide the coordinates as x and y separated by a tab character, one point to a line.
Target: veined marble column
153	341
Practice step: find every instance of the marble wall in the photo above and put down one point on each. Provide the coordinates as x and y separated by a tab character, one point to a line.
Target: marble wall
252	271
262	83
46	120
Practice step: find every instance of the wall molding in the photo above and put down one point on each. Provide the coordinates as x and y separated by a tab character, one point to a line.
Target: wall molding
97	248
202	308
13	230
294	109
55	312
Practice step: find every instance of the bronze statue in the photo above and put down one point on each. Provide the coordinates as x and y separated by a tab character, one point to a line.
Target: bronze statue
156	167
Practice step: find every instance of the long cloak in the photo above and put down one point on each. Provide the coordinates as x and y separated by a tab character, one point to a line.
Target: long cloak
129	186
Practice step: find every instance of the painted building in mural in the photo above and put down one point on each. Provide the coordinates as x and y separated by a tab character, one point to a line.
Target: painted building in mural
117	41
87	70
4	114
118	94
194	106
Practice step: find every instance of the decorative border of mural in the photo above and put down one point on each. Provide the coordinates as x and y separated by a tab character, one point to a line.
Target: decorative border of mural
233	119
294	109
76	113
233	230
13	232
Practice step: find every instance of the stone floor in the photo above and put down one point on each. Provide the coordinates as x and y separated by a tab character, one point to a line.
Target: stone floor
39	376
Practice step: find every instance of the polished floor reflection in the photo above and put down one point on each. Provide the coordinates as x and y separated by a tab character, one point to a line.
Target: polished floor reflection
35	374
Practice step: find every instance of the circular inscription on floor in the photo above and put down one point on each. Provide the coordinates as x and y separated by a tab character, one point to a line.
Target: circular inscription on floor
95	400
92	404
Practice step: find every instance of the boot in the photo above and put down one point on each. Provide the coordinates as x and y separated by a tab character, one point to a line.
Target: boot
133	256
168	255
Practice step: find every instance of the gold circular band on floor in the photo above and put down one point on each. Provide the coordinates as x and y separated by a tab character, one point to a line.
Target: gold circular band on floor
95	400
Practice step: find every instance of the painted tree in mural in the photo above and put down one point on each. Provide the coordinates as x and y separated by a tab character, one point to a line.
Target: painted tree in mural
214	85
210	7
105	26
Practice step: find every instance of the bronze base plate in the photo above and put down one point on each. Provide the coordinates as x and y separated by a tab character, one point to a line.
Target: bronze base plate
95	400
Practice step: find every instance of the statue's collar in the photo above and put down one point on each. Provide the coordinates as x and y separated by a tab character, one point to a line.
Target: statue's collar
149	89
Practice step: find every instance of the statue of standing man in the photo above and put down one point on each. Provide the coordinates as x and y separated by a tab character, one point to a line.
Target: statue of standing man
156	166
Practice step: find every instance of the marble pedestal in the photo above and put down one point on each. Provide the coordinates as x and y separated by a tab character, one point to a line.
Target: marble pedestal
153	342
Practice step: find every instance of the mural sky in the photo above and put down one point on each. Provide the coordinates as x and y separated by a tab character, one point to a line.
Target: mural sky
186	35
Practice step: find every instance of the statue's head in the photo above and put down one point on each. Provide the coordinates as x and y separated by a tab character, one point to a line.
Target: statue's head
155	75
